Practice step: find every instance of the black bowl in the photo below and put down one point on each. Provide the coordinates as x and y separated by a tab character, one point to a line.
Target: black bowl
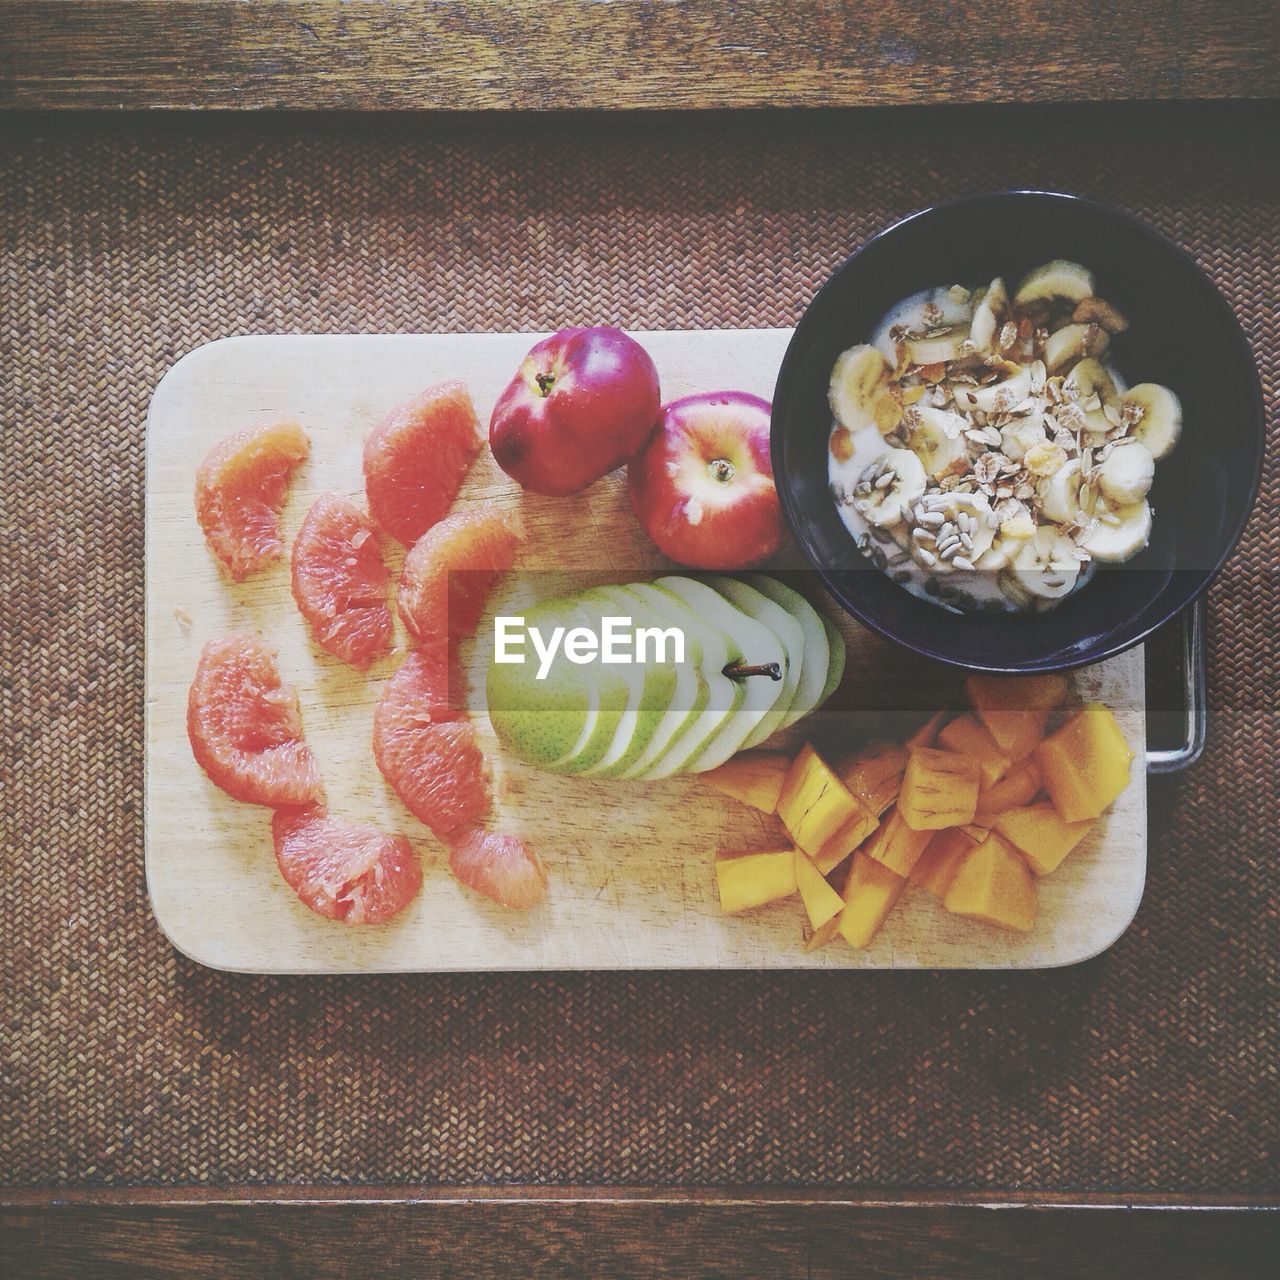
1182	333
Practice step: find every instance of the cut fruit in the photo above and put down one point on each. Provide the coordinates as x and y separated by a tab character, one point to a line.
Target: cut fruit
936	867
835	667
340	582
870	893
927	734
416	459
240	490
820	813
450	571
1057	279
426	748
501	867
1018	787
896	845
1119	532
1085	763
1013	709
821	902
1041	836
939	789
245	726
994	885
752	879
823	647
755	779
348	871
859	374
1159	416
874	775
966	737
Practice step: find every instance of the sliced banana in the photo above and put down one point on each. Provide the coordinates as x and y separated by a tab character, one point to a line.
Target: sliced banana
938	438
1119	532
999	555
997	396
988	316
1074	342
906	482
859	375
964	536
1046	565
1056	279
1060	493
1126	473
1019	436
1161	422
936	348
1089	379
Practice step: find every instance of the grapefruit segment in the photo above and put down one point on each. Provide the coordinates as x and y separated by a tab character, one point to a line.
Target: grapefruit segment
245	726
340	581
240	489
426	747
501	867
450	571
416	459
342	870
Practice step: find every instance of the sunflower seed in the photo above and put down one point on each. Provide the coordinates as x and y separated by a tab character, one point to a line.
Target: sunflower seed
927	558
933	519
962	562
886	479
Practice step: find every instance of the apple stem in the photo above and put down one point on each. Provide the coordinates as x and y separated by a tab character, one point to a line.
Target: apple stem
736	670
545	382
721	469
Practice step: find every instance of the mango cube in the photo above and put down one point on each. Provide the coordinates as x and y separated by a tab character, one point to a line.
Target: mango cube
1085	763
896	845
937	866
755	778
821	902
995	886
1041	836
1014	709
874	775
870	893
747	880
1018	787
927	734
966	737
940	789
821	814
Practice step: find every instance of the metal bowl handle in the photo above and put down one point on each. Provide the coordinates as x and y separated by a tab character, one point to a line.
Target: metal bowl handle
1189	750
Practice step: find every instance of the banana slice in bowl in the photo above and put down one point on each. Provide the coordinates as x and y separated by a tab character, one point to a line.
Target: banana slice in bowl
1119	533
1159	414
1057	279
1046	566
896	480
859	375
1059	493
937	438
1126	474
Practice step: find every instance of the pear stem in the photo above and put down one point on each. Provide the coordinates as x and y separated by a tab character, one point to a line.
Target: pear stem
736	670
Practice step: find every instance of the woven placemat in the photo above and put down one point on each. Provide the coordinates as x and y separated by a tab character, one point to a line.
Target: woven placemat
125	242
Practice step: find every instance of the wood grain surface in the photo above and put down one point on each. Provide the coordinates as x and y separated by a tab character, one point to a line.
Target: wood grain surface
631	887
629	54
594	1240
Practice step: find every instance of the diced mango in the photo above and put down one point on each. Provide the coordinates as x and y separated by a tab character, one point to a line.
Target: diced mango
874	775
751	879
754	778
1085	763
1018	787
870	893
1014	709
937	865
820	813
966	737
1041	836
995	886
939	789
927	734
896	845
821	902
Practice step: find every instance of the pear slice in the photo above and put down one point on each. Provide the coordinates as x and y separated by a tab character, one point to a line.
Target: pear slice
748	644
835	671
819	652
755	604
652	688
608	689
692	692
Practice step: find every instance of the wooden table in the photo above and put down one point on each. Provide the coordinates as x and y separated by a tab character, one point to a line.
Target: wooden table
628	55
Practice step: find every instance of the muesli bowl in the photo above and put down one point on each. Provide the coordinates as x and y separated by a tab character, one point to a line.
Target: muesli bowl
1181	334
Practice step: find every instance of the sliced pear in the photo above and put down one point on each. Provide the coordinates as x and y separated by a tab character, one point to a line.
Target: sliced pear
839	655
608	686
858	376
1057	279
819	653
1121	532
1160	422
767	613
748	644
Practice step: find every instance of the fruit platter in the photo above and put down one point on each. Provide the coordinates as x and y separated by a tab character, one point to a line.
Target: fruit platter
366	751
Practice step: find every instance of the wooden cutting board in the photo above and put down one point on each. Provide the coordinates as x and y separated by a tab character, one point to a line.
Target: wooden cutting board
631	863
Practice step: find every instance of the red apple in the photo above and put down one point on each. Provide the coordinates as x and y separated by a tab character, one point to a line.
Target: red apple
703	487
582	402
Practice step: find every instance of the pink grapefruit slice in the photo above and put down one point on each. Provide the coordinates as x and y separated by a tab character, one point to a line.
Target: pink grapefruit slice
246	728
348	871
340	582
501	867
240	490
450	571
416	459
